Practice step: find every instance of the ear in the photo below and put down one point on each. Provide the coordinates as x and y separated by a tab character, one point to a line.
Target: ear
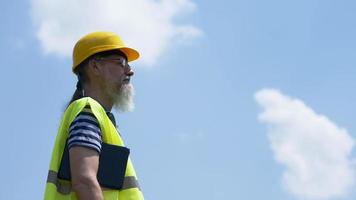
95	67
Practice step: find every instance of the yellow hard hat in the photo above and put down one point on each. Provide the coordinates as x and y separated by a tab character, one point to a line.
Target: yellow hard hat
96	42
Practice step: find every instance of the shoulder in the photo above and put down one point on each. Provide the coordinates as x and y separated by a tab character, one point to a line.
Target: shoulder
85	130
86	115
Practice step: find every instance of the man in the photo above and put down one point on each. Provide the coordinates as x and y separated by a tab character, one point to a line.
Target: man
100	60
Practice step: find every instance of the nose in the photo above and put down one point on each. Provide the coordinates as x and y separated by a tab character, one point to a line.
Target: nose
129	71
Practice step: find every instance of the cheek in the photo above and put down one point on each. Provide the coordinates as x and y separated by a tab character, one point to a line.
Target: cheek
114	74
117	77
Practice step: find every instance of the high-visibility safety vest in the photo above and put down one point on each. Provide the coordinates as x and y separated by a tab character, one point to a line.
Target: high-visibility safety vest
58	189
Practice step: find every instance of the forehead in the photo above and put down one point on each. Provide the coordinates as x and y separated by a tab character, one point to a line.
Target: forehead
115	56
112	54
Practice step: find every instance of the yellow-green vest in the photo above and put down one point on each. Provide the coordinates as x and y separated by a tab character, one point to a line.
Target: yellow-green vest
57	189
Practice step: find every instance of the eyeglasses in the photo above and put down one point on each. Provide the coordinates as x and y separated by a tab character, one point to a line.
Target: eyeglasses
121	61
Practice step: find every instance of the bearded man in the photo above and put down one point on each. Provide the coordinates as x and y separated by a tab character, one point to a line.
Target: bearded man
100	61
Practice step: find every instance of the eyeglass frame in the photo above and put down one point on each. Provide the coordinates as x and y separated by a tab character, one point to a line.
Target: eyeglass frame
124	63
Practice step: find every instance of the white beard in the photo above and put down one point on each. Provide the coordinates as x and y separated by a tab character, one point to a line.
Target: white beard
123	100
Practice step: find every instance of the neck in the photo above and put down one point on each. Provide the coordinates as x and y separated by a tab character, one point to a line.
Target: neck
99	95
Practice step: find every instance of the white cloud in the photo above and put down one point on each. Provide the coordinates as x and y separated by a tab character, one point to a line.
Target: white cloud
189	136
147	25
314	150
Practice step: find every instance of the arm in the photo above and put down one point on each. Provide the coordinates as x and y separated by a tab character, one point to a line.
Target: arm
84	164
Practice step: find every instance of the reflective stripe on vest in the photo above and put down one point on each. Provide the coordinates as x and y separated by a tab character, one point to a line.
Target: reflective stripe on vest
129	182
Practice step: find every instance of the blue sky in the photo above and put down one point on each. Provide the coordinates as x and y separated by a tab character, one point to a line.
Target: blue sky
234	99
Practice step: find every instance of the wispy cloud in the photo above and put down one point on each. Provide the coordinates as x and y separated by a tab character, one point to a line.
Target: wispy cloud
314	150
147	25
185	137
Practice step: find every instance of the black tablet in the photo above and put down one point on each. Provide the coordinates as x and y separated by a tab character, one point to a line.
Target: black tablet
112	165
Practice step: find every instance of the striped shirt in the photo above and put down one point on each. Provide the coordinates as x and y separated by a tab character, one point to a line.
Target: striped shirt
85	130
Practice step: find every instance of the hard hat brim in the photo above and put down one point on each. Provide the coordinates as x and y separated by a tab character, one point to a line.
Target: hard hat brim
130	53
